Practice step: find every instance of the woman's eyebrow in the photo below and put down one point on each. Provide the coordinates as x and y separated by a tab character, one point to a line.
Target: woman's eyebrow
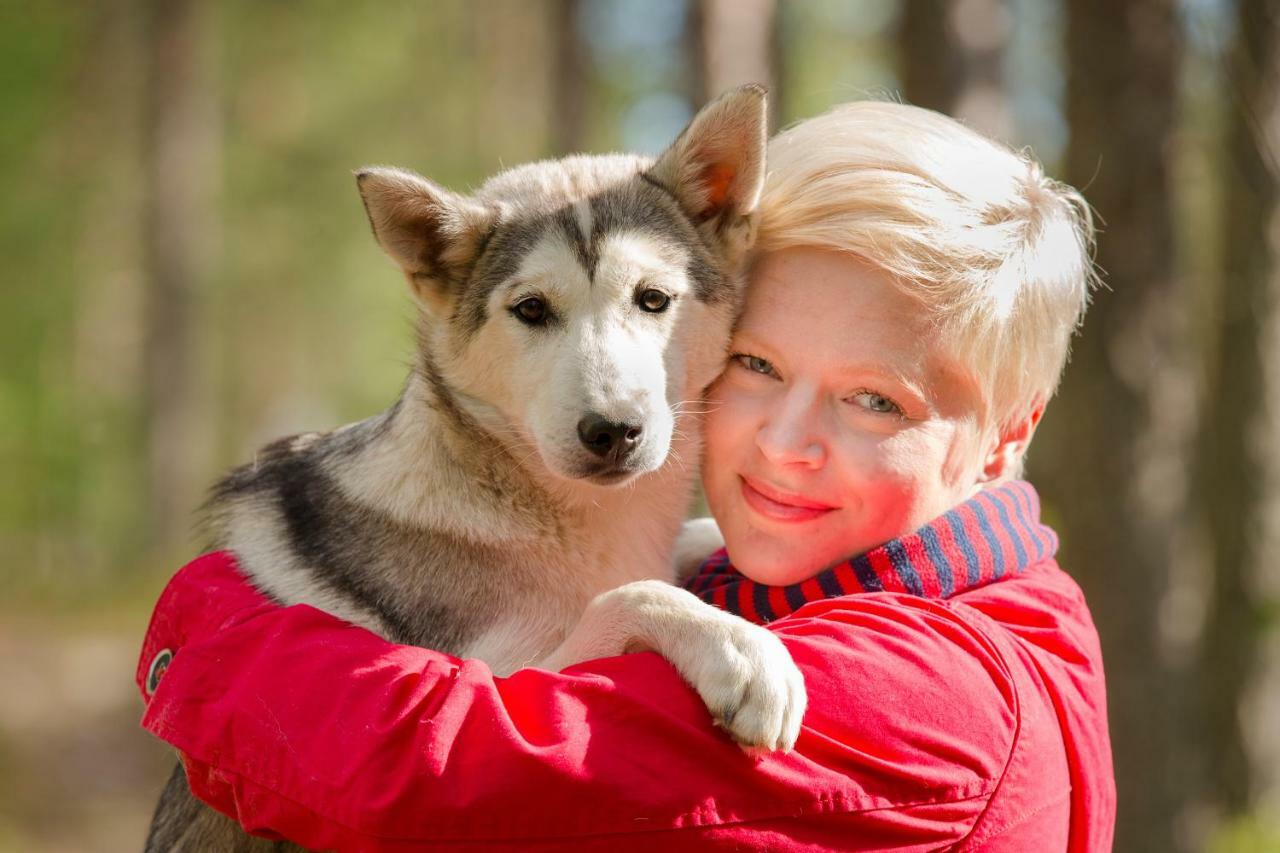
921	386
744	339
883	369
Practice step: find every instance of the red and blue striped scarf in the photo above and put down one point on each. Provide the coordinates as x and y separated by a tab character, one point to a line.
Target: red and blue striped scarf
993	535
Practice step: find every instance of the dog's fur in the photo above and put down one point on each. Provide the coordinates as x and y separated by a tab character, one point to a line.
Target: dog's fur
475	516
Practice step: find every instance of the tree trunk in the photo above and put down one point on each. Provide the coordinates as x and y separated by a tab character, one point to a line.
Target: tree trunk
735	42
1241	472
507	38
571	64
951	56
928	64
1113	453
1114	450
180	221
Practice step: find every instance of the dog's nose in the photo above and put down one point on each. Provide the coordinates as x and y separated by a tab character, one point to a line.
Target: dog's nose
607	439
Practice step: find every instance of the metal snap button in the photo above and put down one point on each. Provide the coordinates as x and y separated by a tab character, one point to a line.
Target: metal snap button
159	664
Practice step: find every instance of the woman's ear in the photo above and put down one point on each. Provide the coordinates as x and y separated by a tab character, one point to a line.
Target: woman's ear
1004	459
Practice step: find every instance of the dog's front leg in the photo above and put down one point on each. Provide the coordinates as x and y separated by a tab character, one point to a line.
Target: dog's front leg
742	671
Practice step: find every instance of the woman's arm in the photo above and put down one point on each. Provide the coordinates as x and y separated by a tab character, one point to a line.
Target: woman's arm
303	726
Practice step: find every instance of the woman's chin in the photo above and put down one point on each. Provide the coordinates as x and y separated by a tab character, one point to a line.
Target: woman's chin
774	566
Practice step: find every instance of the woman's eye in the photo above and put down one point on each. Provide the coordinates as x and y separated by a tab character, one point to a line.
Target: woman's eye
879	403
531	311
755	364
654	301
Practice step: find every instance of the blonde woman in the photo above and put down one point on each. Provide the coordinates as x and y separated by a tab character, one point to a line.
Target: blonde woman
909	313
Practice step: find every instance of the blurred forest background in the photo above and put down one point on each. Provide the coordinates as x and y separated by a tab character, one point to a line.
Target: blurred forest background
187	272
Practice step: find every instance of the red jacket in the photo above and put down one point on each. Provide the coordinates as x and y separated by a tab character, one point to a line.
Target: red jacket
955	700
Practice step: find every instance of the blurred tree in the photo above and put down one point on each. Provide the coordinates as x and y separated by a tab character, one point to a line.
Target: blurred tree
515	78
951	58
928	63
571	62
983	29
1114	451
69	366
105	154
1241	461
735	42
183	168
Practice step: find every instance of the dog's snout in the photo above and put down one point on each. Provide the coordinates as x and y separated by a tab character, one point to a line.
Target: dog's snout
608	439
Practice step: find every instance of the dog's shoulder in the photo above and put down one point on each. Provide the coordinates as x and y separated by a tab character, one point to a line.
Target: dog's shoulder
289	466
264	469
296	457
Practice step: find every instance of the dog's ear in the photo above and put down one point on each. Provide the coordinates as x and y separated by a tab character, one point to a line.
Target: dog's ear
432	233
715	168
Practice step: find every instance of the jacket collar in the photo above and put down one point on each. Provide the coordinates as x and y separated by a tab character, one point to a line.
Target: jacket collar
994	535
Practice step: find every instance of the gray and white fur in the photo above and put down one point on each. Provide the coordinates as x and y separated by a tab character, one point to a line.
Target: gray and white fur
520	502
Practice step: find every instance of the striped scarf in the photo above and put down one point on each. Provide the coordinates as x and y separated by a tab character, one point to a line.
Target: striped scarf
993	535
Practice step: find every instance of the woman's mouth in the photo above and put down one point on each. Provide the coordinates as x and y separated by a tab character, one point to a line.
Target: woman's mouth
779	505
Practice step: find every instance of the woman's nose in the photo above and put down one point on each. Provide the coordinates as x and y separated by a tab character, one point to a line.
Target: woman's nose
791	435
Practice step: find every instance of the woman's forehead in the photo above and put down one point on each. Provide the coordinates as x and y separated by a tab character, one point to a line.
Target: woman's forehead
832	295
836	311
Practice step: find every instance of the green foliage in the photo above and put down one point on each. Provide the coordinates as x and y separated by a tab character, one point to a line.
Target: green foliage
38	225
1255	833
836	52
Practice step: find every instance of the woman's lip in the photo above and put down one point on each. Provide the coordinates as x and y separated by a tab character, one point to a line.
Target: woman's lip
778	505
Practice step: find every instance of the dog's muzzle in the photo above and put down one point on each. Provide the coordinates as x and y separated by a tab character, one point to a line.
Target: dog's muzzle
608	440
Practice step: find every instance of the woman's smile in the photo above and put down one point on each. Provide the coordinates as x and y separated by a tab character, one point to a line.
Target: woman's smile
779	505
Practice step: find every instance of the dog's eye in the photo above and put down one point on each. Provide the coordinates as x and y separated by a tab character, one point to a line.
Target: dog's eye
654	301
532	311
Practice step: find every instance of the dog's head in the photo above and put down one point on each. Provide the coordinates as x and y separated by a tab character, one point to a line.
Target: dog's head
573	306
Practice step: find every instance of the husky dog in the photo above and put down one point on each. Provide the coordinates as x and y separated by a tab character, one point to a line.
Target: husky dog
535	471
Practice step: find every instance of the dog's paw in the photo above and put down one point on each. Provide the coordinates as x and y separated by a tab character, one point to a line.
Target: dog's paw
742	671
753	689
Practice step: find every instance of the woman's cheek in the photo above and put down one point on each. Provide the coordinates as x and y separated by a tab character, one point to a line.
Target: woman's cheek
915	462
906	454
730	427
878	455
741	401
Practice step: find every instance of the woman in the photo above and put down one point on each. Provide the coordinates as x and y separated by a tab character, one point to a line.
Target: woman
908	317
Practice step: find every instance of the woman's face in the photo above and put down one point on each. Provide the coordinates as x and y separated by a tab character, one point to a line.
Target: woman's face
840	422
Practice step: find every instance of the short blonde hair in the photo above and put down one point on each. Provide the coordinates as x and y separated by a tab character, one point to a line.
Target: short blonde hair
997	252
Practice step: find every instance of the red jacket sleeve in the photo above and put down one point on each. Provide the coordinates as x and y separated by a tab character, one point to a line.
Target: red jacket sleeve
300	725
